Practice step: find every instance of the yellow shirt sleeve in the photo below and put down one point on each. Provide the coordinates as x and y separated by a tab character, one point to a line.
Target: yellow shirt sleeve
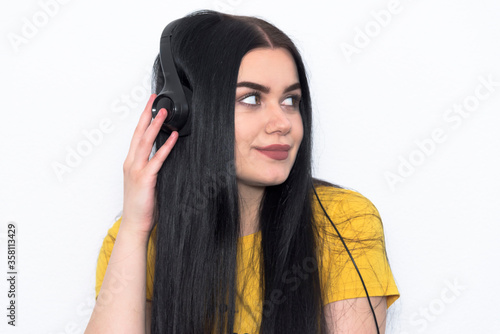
359	223
105	254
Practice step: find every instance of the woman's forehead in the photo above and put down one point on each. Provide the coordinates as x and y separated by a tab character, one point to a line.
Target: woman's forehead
275	67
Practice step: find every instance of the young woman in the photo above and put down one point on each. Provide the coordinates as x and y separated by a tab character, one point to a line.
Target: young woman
222	230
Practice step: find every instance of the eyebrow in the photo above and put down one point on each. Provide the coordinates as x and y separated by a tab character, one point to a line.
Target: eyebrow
266	89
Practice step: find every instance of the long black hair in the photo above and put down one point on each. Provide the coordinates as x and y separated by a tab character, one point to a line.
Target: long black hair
197	204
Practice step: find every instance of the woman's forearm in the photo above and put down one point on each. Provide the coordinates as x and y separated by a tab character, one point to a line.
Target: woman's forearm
121	304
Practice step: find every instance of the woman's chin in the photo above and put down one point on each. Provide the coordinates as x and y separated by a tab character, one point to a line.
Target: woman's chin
266	181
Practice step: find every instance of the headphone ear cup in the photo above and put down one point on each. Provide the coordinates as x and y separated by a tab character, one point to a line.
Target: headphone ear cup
188	93
176	120
162	101
186	127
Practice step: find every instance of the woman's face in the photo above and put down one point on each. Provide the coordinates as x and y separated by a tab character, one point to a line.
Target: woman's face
268	124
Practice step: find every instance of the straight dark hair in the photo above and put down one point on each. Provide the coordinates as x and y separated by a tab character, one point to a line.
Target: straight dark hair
197	204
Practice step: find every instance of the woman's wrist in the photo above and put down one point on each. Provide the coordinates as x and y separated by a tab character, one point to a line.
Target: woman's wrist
132	234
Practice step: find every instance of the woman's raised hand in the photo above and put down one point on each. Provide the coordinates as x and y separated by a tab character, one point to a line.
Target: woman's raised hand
140	172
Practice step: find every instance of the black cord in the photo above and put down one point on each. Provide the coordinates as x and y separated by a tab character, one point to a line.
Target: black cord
352	259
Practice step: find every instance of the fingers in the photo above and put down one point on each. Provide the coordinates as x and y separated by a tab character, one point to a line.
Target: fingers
161	154
144	122
145	145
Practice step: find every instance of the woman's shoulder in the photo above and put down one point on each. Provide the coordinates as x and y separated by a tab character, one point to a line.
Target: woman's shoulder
340	200
347	208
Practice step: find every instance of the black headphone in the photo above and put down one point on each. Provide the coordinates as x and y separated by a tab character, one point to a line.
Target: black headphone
174	96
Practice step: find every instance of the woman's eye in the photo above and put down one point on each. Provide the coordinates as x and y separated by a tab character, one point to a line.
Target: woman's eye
293	101
254	100
251	99
290	99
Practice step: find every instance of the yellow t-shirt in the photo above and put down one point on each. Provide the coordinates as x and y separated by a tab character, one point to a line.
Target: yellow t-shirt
358	222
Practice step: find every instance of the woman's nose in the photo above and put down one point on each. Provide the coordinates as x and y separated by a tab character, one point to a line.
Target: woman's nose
277	120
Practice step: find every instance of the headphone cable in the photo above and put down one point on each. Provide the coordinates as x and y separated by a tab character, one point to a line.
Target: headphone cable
352	259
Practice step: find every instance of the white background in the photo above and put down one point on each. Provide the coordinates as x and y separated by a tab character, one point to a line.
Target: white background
78	68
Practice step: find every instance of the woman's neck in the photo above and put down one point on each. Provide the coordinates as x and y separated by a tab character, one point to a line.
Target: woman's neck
250	198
